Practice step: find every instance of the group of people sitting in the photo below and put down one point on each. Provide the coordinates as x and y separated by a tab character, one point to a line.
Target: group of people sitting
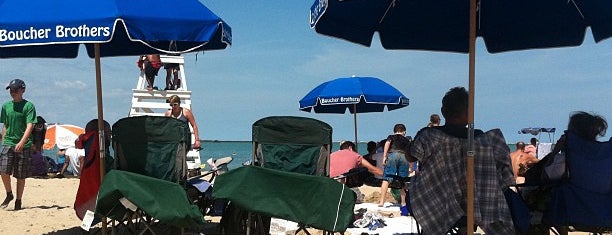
438	193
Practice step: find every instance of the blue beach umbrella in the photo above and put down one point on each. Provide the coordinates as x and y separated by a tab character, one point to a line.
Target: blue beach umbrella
453	25
56	29
355	94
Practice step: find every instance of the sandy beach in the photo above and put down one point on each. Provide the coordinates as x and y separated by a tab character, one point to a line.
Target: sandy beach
48	208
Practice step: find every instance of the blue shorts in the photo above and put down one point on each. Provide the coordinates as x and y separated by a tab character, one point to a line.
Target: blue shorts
17	164
397	165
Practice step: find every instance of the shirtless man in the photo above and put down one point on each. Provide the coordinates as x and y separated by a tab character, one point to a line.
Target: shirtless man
150	64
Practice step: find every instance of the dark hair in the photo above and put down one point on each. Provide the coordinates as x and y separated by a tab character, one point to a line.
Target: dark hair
587	125
455	103
381	143
38	134
346	145
399	128
371	146
520	145
93	126
434	118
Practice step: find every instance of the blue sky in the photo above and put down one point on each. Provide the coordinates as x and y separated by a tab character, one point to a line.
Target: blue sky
276	58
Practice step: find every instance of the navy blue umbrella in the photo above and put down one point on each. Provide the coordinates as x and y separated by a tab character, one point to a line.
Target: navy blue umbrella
453	25
355	94
444	25
56	28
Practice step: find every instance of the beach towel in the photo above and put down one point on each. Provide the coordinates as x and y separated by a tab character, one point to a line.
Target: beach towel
544	149
90	177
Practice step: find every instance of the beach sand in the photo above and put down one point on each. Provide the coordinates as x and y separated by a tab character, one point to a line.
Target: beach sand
48	208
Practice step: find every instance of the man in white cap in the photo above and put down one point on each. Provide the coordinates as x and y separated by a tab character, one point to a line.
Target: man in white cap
18	117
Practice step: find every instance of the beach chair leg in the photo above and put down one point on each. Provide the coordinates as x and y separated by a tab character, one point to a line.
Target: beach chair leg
302	227
146	221
330	233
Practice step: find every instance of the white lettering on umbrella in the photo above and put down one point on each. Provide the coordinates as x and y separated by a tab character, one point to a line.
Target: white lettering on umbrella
60	32
81	31
339	100
28	34
349	99
329	100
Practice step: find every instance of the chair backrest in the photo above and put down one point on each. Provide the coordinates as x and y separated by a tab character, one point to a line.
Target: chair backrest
295	144
585	199
589	164
152	146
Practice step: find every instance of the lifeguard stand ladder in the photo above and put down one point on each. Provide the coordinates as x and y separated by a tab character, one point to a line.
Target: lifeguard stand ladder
153	103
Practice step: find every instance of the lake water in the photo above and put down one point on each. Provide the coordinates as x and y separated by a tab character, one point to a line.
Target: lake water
240	151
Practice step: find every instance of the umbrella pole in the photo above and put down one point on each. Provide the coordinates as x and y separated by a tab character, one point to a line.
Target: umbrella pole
100	119
470	153
101	138
355	123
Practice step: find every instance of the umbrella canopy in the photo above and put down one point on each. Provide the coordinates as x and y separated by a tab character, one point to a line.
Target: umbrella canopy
55	29
62	135
453	26
537	130
444	25
356	94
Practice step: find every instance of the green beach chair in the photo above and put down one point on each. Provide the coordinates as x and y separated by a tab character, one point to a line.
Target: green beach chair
150	154
289	179
294	144
152	146
124	195
315	201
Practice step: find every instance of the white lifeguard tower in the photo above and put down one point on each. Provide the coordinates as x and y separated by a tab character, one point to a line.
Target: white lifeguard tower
153	102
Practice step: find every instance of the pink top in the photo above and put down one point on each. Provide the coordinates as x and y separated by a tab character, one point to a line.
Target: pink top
342	161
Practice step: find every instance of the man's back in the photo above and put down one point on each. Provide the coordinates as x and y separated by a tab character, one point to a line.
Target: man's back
342	161
438	191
